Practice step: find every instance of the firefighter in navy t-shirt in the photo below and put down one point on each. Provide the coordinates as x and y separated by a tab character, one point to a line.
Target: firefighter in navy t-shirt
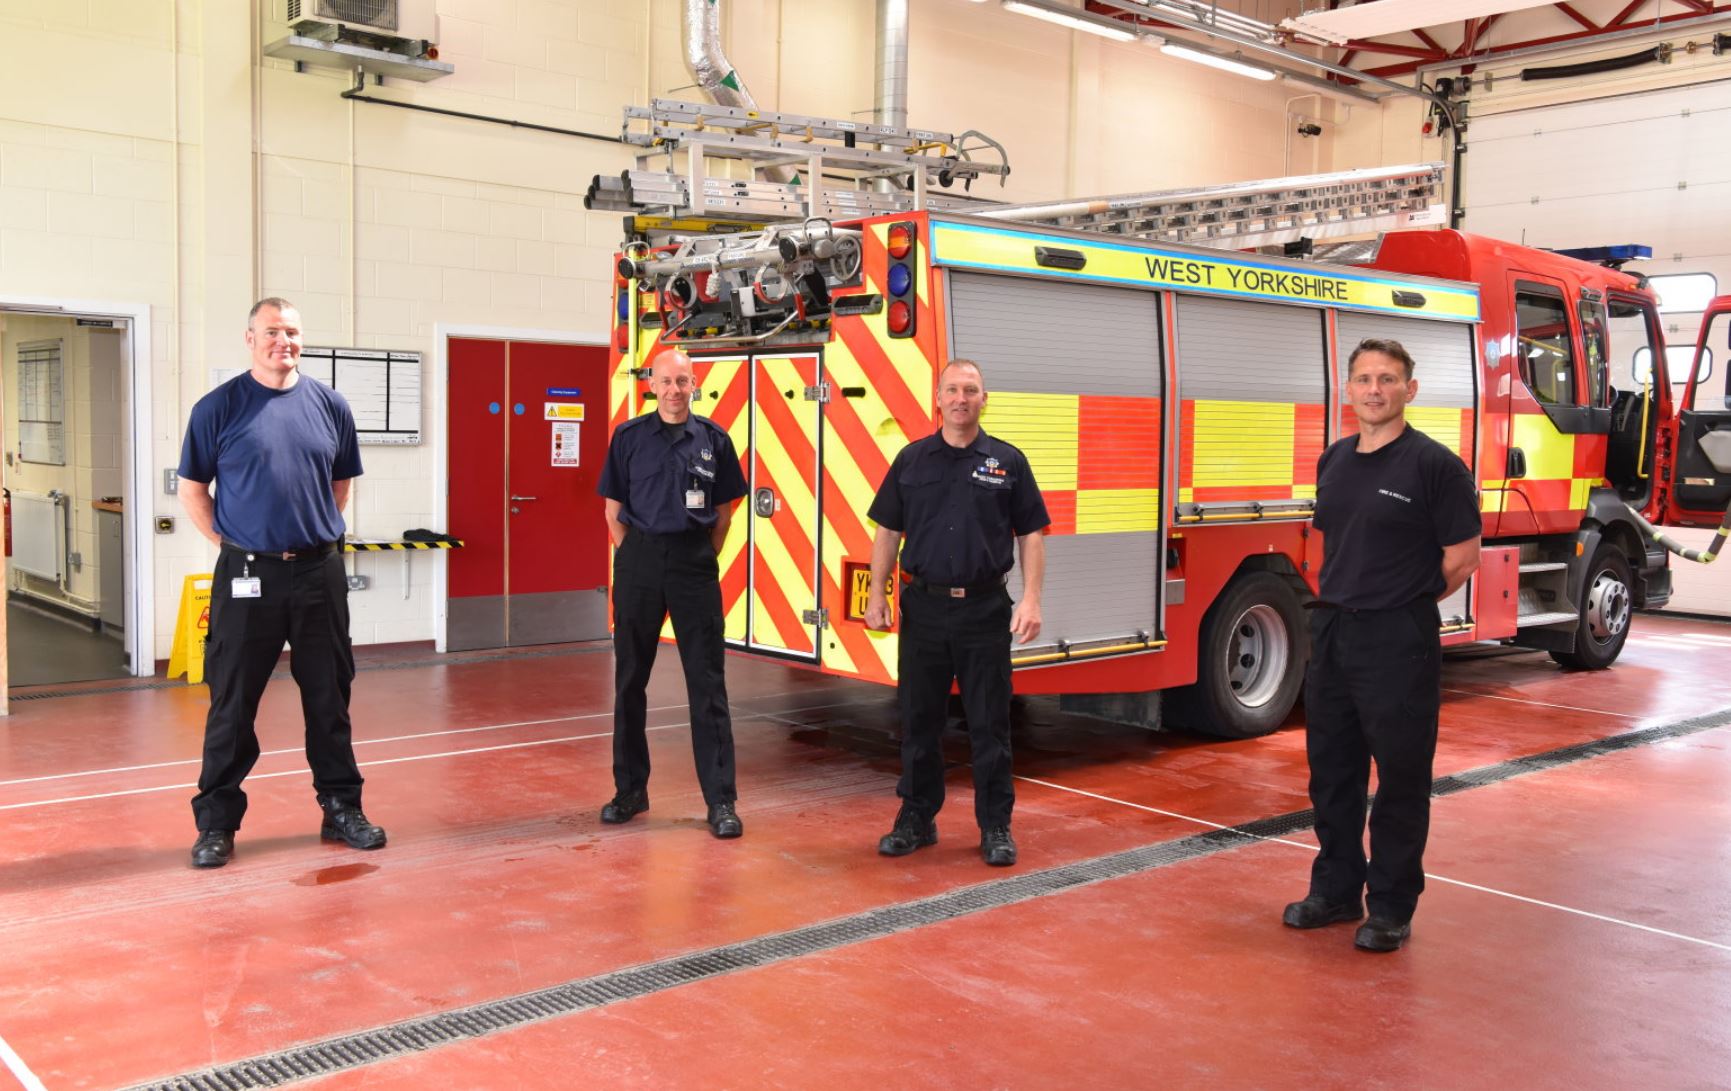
282	451
1399	517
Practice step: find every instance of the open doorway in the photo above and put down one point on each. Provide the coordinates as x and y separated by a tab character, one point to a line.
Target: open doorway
66	462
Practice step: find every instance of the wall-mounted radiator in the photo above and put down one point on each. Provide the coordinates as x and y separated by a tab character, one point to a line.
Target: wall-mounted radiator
37	524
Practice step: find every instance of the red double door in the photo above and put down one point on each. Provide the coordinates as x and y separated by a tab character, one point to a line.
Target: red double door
527	423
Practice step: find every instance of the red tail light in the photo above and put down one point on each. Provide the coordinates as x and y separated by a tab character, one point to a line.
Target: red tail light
901	316
901	240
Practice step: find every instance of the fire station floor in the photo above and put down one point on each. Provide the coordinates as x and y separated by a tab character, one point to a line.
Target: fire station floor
1576	932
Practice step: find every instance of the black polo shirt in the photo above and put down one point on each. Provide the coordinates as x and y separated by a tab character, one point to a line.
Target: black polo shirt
1386	516
651	466
961	508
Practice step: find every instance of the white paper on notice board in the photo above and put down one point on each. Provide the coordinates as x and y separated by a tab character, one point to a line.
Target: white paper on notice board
565	436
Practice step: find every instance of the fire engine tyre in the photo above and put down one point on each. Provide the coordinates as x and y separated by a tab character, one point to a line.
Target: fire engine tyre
1606	611
1250	664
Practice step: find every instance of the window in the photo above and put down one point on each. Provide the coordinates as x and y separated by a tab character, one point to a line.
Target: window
1677	361
1546	349
1684	293
1597	344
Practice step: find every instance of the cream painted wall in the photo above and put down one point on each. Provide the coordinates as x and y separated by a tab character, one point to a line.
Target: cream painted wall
182	171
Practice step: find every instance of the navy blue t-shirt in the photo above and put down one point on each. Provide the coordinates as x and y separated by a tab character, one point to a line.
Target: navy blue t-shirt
273	455
1386	516
651	465
961	508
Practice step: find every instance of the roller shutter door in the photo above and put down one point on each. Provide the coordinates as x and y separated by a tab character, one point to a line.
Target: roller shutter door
1447	403
1073	375
1253	379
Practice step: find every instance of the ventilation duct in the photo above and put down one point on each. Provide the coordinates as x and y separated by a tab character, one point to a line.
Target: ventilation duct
711	69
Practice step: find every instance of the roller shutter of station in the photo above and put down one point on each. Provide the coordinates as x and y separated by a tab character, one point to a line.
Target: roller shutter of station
1073	376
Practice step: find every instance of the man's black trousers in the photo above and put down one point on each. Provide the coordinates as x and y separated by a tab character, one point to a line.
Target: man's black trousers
966	640
1372	693
305	603
656	576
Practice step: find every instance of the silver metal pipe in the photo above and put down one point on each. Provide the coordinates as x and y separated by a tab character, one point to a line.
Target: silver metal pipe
891	107
1697	22
701	29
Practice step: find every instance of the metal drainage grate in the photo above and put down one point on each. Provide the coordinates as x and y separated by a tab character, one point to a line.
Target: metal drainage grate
415	1035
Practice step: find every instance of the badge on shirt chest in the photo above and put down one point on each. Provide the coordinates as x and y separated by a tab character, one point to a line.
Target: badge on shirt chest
991	474
694	499
244	587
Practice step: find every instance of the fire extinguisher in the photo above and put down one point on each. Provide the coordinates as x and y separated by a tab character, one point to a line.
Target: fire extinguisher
8	493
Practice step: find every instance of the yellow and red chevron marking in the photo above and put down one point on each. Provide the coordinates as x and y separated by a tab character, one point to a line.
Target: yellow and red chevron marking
724	386
1247	450
783	544
862	435
1096	457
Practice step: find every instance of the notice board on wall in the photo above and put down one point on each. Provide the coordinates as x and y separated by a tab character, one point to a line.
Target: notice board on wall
383	389
41	403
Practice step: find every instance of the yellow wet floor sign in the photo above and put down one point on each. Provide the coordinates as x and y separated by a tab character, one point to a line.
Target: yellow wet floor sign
191	629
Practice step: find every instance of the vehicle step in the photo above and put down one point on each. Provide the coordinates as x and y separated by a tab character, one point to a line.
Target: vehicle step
1544	566
1555	617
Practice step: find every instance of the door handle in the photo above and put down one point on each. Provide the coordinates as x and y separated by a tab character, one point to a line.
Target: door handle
525	498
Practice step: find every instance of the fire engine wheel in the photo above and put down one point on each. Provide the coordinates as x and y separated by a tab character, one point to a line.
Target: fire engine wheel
1251	660
1605	613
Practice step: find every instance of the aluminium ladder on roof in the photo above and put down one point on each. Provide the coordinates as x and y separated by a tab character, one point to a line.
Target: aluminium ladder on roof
1249	214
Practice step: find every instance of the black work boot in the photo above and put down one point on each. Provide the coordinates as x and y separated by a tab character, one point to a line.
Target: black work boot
913	830
1315	911
624	807
724	821
213	848
997	846
1382	934
347	824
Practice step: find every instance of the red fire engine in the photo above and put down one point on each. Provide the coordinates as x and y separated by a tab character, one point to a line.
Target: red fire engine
1172	401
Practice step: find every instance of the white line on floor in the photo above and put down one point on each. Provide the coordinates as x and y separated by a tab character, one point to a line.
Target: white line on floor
1435	878
745	714
1542	704
19	1069
390	738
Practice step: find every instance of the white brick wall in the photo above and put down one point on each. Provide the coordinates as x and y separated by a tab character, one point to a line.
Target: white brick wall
381	223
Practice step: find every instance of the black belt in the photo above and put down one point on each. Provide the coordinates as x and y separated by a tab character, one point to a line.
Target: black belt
981	588
1322	604
301	553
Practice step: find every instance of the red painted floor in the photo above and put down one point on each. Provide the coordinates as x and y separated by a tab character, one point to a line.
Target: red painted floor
1577	932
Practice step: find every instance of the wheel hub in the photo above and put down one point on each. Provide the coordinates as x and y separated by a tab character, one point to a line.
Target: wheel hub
1608	608
1257	657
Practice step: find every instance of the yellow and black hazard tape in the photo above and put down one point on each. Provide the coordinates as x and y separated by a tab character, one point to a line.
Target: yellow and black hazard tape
389	547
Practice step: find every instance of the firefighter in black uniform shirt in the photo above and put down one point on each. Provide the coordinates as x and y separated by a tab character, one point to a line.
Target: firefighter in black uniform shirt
1399	517
671	480
959	497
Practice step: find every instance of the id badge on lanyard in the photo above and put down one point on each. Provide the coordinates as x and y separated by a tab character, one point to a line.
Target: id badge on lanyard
246	585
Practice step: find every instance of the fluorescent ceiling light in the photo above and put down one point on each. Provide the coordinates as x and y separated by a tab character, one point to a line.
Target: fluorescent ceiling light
1214	60
1074	22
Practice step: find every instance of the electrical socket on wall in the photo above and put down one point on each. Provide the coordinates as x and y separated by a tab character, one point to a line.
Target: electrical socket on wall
360	583
170	482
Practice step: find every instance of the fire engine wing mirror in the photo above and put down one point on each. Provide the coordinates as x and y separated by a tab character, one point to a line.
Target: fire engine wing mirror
1517	463
1717	447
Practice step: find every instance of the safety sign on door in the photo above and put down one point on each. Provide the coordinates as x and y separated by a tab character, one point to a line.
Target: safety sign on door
565	437
562	411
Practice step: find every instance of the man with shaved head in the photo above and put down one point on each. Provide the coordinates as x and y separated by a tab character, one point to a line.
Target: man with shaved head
670	481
